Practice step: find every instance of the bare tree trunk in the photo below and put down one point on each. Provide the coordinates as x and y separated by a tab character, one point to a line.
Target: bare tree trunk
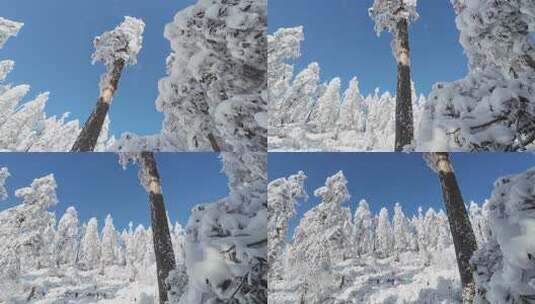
464	239
88	137
163	248
404	120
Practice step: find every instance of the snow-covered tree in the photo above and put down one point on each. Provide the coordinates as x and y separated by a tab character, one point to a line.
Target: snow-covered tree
116	49
504	267
296	106
90	246
492	107
215	91
350	111
400	229
4	174
25	127
322	237
395	16
108	243
328	106
363	229
283	195
383	241
67	238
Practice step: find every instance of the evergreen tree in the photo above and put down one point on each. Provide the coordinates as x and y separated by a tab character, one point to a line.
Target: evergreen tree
67	238
89	257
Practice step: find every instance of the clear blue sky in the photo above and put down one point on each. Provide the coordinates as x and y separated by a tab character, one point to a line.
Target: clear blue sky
386	178
96	184
53	53
339	35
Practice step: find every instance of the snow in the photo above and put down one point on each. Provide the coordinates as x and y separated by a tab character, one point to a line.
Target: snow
124	42
4	174
8	28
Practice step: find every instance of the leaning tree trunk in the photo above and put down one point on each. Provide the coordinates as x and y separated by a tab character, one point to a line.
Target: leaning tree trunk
404	120
464	239
88	137
163	248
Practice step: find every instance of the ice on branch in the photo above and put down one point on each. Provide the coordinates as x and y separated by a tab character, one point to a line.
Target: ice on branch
8	29
388	13
124	42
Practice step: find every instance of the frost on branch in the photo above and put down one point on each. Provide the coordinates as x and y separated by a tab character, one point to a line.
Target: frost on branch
493	107
8	29
388	13
4	174
124	42
505	266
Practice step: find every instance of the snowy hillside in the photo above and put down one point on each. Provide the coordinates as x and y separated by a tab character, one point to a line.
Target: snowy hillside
334	257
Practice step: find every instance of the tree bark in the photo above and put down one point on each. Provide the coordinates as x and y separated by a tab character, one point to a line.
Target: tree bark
404	120
163	247
464	239
213	142
88	137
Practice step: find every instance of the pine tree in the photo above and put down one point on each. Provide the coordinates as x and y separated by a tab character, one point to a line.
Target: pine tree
395	17
89	257
363	229
328	106
116	49
383	234
108	243
400	230
463	236
350	110
67	238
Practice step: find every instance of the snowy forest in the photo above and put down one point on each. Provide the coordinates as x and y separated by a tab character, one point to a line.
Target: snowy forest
212	97
490	109
218	257
334	256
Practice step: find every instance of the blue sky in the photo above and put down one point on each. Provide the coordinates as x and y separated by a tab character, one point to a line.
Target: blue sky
386	178
53	53
339	35
96	184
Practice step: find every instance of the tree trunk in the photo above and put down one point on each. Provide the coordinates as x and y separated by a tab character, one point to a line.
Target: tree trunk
464	239
163	248
88	137
213	142
404	120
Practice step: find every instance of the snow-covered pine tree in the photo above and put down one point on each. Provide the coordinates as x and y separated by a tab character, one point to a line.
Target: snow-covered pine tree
329	106
505	267
400	229
4	174
383	242
215	93
296	106
283	194
89	256
116	49
283	45
350	117
363	229
108	244
395	16
463	236
67	238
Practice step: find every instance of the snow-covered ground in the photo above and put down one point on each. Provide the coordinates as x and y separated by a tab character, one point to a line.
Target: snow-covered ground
413	279
53	286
